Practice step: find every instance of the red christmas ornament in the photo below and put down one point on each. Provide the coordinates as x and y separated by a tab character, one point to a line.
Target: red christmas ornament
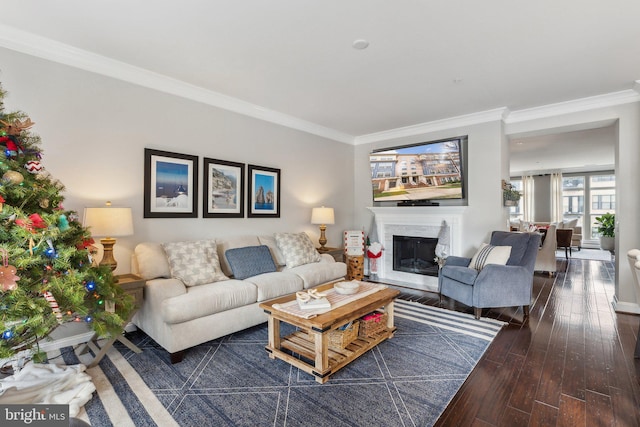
37	221
10	144
34	221
85	243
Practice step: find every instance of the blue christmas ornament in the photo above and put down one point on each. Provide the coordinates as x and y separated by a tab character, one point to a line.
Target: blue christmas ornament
90	286
8	334
50	253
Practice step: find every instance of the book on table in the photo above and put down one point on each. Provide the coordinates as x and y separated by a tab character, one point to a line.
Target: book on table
315	304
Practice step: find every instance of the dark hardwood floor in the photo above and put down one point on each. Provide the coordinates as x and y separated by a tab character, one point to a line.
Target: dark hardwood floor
569	364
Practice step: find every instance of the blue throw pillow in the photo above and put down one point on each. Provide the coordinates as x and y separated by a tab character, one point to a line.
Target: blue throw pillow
250	261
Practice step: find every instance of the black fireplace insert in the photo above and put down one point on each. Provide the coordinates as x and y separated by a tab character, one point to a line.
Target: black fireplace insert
415	255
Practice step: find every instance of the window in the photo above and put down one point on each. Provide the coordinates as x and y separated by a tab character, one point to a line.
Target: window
587	196
517	212
604	202
603	199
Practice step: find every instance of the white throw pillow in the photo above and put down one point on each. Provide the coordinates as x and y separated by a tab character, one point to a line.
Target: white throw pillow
297	248
152	261
277	256
195	263
488	254
570	223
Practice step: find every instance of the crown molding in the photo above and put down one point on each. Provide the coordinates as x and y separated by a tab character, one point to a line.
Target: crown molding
41	47
496	114
576	105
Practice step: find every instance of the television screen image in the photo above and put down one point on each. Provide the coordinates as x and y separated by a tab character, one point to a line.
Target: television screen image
425	171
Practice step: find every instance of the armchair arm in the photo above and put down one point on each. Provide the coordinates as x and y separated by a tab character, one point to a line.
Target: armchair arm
456	260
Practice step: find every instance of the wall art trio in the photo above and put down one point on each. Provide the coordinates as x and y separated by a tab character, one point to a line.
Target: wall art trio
171	188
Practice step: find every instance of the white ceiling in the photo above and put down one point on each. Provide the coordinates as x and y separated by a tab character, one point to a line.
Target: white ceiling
292	61
572	151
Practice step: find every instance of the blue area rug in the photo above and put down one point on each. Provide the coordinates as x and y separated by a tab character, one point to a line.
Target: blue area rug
405	381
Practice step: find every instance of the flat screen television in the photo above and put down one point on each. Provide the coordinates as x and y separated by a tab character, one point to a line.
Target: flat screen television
419	173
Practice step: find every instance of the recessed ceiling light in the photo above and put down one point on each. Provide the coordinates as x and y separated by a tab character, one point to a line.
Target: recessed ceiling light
360	44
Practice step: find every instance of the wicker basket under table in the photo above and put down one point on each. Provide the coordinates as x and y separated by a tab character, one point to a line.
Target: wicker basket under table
342	338
369	328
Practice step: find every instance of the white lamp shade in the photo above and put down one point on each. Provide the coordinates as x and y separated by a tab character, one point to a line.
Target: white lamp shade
322	216
109	222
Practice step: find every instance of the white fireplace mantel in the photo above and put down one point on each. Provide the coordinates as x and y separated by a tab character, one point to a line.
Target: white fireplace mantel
418	221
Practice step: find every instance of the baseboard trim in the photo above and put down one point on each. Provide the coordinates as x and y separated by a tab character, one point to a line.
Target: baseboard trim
625	307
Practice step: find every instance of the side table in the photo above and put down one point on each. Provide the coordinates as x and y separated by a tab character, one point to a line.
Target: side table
355	267
132	285
336	253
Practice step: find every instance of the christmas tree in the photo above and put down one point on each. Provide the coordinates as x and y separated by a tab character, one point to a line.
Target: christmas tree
47	275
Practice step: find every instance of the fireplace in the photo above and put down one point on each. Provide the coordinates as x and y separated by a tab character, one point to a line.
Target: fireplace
441	223
415	255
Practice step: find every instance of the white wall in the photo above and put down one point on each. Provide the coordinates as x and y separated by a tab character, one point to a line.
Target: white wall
485	171
94	130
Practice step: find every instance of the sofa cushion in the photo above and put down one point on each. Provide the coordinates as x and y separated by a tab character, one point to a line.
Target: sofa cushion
250	261
201	301
489	254
273	285
569	223
152	261
270	241
194	262
224	244
315	274
297	248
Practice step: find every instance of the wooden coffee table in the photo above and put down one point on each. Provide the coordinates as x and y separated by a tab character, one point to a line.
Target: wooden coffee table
311	342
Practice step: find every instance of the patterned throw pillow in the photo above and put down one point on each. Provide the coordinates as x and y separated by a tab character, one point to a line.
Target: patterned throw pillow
488	254
250	261
297	248
195	263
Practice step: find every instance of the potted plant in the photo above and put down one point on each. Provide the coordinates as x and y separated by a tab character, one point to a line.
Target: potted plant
607	229
510	196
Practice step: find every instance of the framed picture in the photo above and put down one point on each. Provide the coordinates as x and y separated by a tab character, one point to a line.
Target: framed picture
170	185
223	189
263	198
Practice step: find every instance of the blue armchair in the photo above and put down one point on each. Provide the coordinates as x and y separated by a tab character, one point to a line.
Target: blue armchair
494	285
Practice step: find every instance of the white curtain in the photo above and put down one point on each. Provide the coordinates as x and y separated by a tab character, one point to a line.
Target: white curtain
556	197
527	205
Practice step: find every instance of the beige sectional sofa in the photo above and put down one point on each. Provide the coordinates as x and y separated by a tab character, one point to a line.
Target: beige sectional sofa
191	294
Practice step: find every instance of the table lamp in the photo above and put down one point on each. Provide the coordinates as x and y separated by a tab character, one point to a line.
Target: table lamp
108	222
322	216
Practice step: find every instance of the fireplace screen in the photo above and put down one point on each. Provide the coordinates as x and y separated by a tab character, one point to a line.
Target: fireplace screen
415	255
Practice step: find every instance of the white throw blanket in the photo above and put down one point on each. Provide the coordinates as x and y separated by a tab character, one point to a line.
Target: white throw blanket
53	384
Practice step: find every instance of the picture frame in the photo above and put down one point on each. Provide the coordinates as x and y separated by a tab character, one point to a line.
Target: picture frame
263	196
170	184
223	189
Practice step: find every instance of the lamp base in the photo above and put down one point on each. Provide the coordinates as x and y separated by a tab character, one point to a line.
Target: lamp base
323	238
107	257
